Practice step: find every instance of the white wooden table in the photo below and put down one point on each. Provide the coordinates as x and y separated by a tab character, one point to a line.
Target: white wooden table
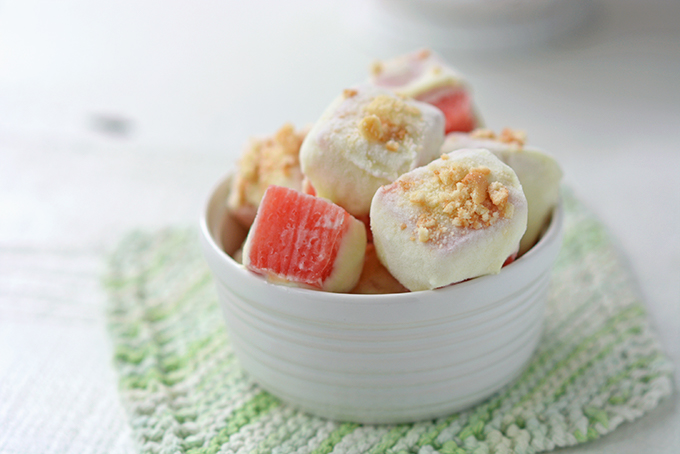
121	115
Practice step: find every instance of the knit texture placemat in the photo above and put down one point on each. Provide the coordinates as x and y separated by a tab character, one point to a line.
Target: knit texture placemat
598	365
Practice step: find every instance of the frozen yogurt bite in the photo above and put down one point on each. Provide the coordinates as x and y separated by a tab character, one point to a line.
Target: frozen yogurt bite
374	278
538	172
456	218
367	138
265	161
305	241
425	76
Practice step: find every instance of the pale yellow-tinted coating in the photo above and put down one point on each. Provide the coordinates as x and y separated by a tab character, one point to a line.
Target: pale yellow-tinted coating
538	172
349	261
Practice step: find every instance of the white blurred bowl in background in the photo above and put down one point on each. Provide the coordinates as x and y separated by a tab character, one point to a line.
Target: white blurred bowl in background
467	24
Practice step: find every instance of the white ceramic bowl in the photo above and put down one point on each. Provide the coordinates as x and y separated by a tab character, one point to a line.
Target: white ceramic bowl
380	358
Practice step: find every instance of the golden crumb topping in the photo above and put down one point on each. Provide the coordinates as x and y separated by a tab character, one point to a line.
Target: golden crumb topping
371	128
424	54
387	120
349	92
391	145
392	109
483	133
376	68
279	152
457	196
267	160
513	136
507	135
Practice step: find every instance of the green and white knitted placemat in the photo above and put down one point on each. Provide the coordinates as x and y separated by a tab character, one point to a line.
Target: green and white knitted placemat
598	365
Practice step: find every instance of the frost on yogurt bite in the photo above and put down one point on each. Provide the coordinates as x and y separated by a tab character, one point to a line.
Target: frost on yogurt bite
538	172
366	138
457	218
424	76
302	240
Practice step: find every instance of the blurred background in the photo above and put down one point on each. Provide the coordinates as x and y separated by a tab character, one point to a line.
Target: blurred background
122	114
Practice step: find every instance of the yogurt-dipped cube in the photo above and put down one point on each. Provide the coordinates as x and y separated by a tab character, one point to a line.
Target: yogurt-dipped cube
375	279
266	161
538	172
367	138
305	241
457	218
423	75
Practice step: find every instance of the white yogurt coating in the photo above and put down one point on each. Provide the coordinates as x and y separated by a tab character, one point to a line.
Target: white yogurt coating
367	138
416	74
417	228
538	172
349	261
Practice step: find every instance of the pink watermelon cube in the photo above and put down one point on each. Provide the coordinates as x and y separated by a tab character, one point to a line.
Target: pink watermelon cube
457	108
302	240
425	76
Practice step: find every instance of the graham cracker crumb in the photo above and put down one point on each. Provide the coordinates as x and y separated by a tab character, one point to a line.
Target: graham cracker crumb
498	193
423	234
458	196
404	184
444	156
450	175
391	108
424	54
371	128
387	120
483	133
477	182
349	93
513	136
266	160
376	68
507	135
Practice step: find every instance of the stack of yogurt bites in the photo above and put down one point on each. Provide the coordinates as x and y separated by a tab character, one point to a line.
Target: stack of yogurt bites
395	188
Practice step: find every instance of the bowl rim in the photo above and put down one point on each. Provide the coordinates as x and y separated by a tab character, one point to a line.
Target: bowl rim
552	233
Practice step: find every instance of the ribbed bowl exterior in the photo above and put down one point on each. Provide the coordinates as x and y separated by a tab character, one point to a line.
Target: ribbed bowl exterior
381	358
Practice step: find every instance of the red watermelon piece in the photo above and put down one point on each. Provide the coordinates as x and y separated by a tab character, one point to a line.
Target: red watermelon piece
458	111
306	241
307	187
510	259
